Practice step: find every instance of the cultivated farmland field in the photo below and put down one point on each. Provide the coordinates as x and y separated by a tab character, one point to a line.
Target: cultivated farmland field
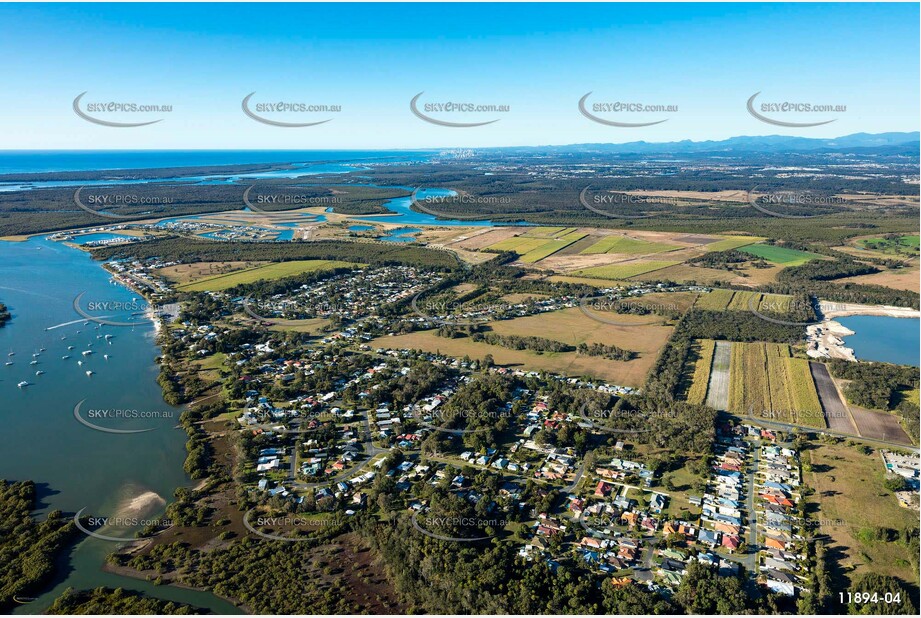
518	244
744	301
277	270
780	255
732	242
737	300
700	378
766	381
627	246
716	300
624	271
547	249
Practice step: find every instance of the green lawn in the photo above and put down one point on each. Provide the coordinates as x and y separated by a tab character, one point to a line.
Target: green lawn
276	270
779	255
903	245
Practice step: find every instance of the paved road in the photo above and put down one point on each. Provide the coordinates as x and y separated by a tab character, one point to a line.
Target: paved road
805	428
643	571
752	558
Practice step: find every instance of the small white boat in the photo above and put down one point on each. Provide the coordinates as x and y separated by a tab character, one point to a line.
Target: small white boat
70	347
41	349
39	372
36	354
87	352
105	356
65	357
79	362
8	363
34	363
108	336
12	354
89	373
23	384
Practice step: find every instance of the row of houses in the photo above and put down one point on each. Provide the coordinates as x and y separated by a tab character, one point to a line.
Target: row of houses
723	511
777	482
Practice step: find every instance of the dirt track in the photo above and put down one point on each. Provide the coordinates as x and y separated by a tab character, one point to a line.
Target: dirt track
718	389
836	413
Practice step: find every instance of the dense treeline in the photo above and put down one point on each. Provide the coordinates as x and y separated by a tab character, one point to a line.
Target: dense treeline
516	342
825	270
27	548
182	249
727	260
874	385
478	407
611	352
899	602
743	326
270	287
268	577
4	314
106	601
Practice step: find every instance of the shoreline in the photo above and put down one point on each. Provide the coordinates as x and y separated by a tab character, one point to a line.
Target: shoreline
149	576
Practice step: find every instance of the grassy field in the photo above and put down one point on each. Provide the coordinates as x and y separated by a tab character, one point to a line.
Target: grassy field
850	503
624	271
186	273
311	326
628	246
732	242
569	326
276	270
767	382
903	245
697	391
779	255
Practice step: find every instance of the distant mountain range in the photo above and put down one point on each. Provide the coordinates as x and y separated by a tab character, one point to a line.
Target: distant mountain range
766	143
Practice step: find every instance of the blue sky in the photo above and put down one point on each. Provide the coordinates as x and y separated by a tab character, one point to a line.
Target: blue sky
371	59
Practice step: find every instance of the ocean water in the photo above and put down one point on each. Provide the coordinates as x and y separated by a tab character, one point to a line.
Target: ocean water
34	161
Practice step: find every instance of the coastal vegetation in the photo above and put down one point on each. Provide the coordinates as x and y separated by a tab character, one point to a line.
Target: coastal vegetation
28	548
4	314
109	601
